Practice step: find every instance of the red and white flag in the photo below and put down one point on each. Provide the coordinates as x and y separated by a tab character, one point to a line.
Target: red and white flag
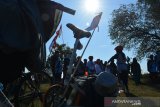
94	22
53	43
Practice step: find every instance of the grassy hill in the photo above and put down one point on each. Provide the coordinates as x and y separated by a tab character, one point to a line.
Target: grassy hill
147	88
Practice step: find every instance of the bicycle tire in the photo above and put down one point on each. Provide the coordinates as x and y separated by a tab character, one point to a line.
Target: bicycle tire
52	97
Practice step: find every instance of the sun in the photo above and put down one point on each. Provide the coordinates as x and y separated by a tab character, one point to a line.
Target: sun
91	5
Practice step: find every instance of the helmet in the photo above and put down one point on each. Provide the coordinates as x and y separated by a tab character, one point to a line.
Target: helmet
106	84
118	48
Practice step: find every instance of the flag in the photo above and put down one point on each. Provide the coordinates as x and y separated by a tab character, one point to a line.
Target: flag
53	43
56	21
94	22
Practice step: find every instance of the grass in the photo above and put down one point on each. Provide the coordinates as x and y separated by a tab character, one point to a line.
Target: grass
147	92
144	90
147	88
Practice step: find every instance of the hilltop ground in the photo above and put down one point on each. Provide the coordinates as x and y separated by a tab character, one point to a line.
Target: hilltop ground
147	88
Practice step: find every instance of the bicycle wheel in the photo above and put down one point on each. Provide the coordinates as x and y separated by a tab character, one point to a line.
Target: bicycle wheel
42	80
52	97
28	95
32	89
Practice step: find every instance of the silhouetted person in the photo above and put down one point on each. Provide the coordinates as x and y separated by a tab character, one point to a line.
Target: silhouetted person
85	64
98	68
113	68
152	68
136	71
91	65
66	61
56	66
121	66
80	68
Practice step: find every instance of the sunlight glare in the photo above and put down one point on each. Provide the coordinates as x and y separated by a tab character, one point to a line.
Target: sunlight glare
87	24
91	5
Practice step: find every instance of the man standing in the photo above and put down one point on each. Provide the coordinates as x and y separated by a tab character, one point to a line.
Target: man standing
121	66
91	65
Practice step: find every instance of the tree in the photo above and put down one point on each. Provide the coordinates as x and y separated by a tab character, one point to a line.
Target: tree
154	8
137	27
62	48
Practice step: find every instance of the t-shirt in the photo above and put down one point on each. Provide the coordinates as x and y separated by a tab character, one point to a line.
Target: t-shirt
121	61
91	65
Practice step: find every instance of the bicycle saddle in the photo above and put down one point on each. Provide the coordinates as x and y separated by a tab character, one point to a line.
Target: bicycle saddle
78	33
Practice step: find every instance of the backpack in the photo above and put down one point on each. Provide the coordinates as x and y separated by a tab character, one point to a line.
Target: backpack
22	40
23	34
50	15
121	62
20	25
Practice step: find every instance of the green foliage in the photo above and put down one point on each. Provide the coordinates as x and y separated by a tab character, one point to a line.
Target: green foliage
63	49
137	26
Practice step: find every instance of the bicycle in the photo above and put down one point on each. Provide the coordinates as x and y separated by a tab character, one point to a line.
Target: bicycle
28	90
4	101
87	91
27	86
58	94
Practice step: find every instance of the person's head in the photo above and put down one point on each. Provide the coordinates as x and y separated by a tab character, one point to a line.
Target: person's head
118	48
85	60
101	61
90	58
151	56
98	61
78	58
105	62
134	60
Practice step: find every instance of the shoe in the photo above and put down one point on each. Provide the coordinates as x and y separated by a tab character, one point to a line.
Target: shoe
78	33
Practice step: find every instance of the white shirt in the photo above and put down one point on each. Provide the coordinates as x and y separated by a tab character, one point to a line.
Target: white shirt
98	68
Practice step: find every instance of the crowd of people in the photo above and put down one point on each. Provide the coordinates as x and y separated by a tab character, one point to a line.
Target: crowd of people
122	68
119	65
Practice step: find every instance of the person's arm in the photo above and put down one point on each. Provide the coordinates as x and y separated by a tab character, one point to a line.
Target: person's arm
148	66
112	58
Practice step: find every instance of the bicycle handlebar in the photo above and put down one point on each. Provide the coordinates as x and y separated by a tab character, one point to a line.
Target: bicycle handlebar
63	8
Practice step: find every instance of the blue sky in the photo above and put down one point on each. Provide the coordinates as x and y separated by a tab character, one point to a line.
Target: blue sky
100	45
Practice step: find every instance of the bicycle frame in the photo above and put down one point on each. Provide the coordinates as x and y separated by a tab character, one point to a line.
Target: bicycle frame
69	80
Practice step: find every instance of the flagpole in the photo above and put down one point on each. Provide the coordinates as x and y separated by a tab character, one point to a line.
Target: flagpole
87	43
72	74
92	27
82	53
